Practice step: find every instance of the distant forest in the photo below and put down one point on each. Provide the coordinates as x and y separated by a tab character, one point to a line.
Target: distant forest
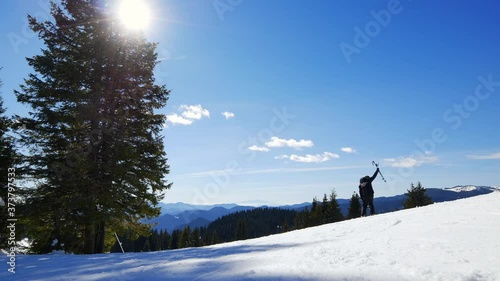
242	225
260	222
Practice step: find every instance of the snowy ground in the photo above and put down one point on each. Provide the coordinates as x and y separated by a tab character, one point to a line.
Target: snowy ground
456	241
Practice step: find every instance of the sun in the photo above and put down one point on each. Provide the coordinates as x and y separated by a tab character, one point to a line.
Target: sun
134	14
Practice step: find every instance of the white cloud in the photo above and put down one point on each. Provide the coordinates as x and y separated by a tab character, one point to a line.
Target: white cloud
277	142
348	149
228	114
177	119
309	158
279	157
258	148
189	113
484	157
194	111
410	162
169	57
266	171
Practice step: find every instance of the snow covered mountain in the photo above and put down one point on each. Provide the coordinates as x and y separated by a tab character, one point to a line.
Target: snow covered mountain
455	241
175	209
178	215
195	217
468	188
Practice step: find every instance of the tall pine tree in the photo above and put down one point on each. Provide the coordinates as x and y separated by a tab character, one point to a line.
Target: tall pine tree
417	197
335	213
326	211
354	210
93	133
7	172
315	214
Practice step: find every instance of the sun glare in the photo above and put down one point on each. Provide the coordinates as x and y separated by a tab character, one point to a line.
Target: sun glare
134	14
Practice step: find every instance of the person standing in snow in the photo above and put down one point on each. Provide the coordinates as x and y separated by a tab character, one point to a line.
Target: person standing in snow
366	193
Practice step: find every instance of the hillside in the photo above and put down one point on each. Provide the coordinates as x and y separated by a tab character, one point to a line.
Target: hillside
445	241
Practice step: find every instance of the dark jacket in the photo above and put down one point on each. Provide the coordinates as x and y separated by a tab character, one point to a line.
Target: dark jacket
365	185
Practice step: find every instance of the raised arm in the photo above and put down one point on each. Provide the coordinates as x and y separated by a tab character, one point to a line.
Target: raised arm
374	175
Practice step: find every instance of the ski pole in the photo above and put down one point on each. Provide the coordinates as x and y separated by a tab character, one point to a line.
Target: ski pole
119	243
376	165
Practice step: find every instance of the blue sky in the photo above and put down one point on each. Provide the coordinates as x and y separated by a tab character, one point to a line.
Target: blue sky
312	93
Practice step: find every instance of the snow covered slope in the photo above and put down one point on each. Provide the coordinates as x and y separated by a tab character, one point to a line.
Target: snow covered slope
456	241
465	188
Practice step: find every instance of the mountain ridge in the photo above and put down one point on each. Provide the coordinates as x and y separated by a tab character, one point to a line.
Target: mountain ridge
178	215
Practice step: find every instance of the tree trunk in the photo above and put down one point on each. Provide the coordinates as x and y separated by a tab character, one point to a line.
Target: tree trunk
100	235
89	245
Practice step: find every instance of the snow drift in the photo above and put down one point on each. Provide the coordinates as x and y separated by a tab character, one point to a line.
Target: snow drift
456	241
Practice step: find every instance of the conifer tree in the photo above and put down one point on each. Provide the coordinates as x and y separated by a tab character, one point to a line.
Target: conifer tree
146	247
301	219
326	212
305	221
286	226
241	230
417	197
184	238
214	239
174	239
93	131
7	172
315	214
164	237
335	213
354	210
155	240
195	237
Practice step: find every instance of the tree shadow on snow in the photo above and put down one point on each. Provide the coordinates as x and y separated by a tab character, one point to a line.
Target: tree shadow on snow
222	263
